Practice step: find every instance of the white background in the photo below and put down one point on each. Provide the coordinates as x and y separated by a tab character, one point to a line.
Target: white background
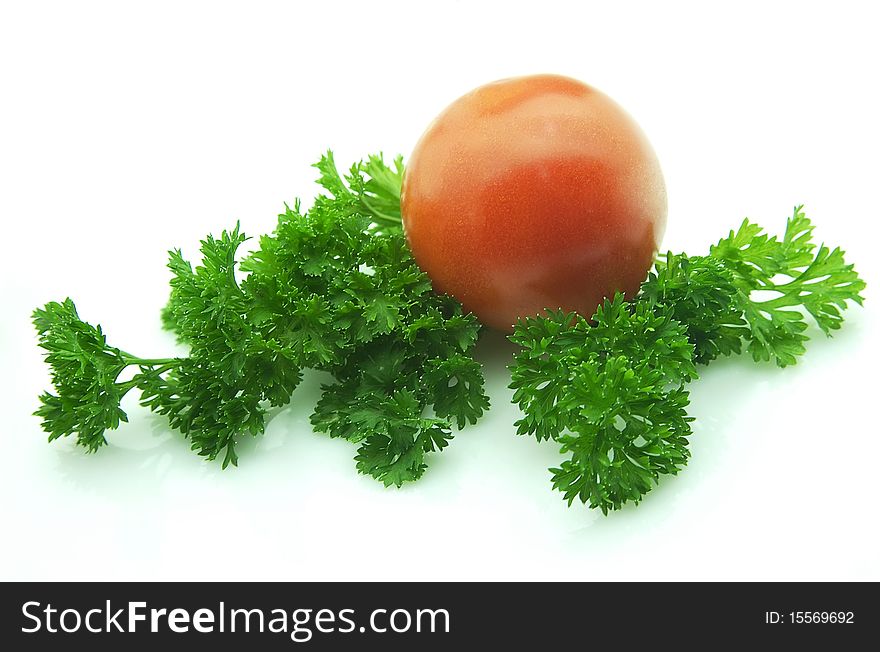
128	129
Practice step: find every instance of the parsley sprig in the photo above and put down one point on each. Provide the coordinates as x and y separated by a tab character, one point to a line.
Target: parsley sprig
612	391
333	288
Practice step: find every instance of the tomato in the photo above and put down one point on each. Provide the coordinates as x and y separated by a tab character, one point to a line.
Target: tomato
532	193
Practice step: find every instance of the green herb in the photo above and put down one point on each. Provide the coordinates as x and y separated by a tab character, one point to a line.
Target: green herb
613	393
723	297
610	393
334	288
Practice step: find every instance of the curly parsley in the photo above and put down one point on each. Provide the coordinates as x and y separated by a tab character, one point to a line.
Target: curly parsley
612	391
334	288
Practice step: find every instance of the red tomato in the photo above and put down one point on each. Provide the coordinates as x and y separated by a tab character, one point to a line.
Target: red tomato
532	193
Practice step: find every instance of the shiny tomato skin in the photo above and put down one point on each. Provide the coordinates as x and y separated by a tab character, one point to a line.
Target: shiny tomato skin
532	193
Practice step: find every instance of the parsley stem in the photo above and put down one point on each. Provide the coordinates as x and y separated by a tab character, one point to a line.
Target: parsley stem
379	215
148	362
783	301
